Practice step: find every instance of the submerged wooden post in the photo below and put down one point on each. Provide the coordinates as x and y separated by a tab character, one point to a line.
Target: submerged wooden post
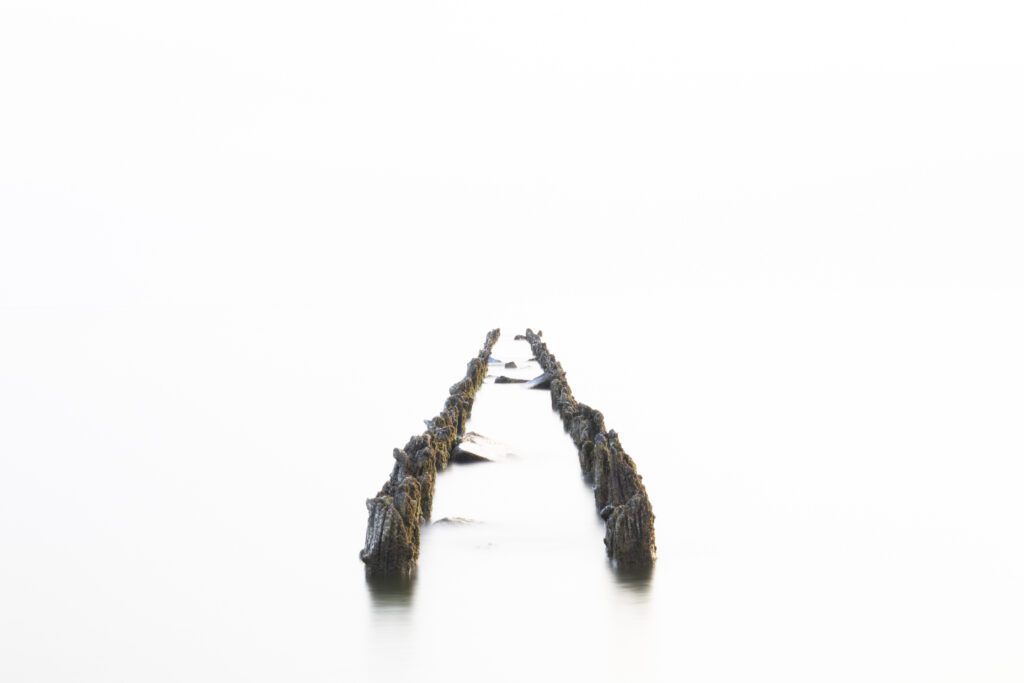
619	491
393	528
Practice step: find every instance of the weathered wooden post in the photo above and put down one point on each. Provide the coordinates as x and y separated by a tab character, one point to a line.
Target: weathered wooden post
619	491
393	529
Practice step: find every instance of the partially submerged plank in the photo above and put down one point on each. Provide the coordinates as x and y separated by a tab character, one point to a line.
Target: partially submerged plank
393	529
619	492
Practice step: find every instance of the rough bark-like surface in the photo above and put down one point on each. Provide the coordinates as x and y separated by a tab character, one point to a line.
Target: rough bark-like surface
619	492
393	528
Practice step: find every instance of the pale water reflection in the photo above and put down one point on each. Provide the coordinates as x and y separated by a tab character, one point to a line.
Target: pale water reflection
636	582
200	489
391	594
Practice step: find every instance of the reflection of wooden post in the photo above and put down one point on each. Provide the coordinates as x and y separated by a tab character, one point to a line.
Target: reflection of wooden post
393	529
619	491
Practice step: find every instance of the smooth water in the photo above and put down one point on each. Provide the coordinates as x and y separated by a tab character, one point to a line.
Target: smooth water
835	476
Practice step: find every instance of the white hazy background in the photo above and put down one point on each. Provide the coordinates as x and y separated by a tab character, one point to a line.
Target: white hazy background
245	247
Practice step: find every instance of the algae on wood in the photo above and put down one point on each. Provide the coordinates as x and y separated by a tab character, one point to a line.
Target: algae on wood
619	493
393	529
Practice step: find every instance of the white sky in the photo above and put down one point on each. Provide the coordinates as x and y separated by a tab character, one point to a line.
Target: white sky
220	152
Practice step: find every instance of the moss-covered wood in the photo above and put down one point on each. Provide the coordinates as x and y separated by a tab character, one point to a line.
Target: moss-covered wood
395	513
619	493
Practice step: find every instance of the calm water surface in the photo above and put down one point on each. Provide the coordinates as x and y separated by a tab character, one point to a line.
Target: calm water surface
835	476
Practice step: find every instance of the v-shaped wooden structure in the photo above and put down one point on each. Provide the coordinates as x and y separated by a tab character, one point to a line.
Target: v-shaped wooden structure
405	500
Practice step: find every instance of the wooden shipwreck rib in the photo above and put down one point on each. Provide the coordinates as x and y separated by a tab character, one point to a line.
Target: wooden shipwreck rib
393	530
619	491
396	512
